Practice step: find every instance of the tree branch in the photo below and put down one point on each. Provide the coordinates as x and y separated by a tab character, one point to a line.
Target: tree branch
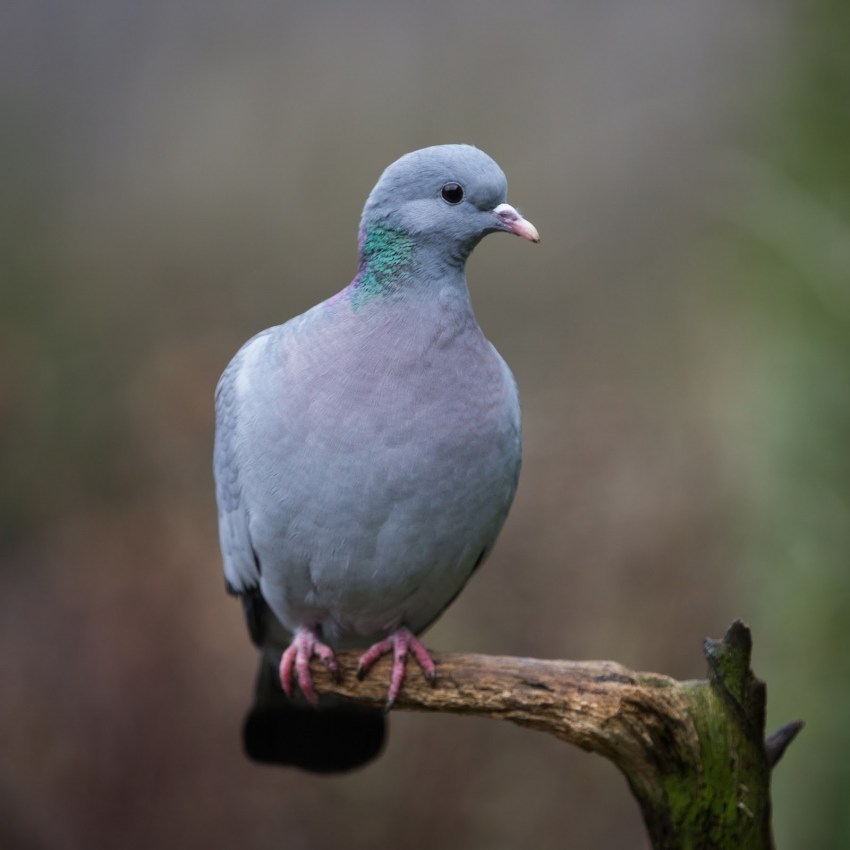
693	752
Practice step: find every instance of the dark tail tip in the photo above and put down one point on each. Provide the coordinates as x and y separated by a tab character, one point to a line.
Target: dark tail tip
335	737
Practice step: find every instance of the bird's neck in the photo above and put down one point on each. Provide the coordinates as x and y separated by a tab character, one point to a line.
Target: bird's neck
386	259
392	262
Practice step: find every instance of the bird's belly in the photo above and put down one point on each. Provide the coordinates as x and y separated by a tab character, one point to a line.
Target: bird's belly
387	527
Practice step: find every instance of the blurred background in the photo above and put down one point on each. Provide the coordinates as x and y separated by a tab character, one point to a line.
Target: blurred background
177	176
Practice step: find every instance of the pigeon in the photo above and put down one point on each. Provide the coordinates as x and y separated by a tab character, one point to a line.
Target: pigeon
366	455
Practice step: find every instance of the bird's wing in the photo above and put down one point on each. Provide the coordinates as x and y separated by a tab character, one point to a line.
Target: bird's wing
241	567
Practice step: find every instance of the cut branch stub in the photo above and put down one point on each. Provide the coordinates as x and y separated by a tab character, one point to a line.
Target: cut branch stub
730	674
693	752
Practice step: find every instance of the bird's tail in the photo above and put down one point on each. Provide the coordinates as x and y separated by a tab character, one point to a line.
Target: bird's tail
335	737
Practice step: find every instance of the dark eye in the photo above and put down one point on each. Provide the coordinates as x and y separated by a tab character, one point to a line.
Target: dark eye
452	193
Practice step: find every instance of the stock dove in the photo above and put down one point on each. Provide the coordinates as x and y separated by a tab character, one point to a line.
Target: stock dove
366	455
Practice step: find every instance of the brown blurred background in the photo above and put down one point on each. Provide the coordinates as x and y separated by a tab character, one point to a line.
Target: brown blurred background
177	176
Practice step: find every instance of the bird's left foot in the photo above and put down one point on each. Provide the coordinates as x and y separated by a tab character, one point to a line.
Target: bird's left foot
401	643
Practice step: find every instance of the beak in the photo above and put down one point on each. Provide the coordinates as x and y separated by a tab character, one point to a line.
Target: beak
513	222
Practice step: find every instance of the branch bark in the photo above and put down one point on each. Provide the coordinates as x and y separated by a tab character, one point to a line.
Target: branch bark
693	752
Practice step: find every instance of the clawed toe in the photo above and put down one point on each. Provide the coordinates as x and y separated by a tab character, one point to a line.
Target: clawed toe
305	644
402	642
295	662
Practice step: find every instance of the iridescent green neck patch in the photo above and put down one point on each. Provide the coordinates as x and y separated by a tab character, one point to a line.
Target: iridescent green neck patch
386	254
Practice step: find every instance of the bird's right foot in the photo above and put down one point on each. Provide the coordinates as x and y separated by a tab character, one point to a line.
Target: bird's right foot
296	658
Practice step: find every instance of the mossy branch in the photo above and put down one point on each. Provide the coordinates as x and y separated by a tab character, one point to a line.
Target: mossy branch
693	753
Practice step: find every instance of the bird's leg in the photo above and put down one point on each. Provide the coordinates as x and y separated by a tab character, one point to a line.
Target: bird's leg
305	644
401	643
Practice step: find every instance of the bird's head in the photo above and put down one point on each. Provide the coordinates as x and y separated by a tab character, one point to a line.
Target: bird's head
445	198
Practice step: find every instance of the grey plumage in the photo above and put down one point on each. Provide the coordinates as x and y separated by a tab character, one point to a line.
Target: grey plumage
367	451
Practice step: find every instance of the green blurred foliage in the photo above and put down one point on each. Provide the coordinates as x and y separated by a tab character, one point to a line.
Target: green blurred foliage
792	262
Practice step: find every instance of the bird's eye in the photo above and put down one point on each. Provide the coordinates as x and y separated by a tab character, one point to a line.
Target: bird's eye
452	193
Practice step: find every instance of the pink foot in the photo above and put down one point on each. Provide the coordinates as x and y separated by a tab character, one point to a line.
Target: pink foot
305	644
401	642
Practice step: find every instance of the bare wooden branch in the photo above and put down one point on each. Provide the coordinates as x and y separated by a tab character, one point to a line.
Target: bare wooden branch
693	752
776	744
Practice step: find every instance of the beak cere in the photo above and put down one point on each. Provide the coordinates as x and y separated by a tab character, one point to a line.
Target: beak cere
511	220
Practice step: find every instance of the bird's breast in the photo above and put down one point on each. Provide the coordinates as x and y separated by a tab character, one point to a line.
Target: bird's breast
380	468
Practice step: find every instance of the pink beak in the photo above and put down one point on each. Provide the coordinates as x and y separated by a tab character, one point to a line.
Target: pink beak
514	222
